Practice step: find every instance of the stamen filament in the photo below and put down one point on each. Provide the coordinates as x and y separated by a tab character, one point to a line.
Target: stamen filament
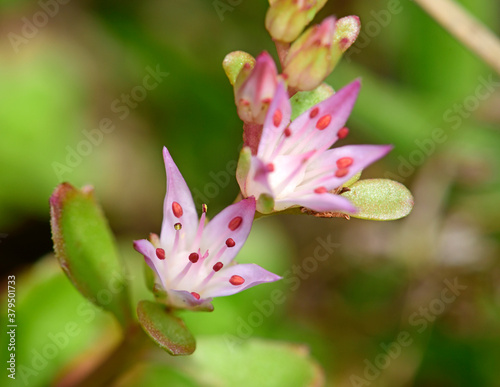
181	275
199	233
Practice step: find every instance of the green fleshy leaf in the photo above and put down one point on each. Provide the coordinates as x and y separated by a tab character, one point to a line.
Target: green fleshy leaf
380	199
156	374
234	62
166	330
53	318
265	204
86	250
304	100
352	180
254	362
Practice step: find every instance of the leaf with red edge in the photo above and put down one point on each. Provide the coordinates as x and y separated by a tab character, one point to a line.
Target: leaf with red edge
168	331
86	250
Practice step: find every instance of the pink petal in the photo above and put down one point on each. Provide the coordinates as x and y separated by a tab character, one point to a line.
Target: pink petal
178	206
262	79
277	119
251	273
257	181
288	172
317	202
147	249
185	300
329	116
233	222
321	172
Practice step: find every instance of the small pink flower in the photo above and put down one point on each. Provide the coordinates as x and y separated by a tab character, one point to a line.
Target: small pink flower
193	262
294	165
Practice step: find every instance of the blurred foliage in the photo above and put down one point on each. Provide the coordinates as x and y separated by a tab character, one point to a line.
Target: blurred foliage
379	279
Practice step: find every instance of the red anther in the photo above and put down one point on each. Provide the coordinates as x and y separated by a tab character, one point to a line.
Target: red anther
323	122
341	172
177	209
235	223
343	133
218	266
344	162
236	280
287	132
270	167
320	190
193	257
314	112
230	242
160	253
277	117
195	295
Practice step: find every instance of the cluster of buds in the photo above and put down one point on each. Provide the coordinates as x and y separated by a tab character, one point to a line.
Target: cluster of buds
307	58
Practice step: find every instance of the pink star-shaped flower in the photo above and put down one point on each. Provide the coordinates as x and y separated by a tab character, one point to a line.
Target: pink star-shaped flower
294	164
193	262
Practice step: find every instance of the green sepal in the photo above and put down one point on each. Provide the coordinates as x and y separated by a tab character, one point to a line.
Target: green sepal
86	250
304	100
166	330
244	164
234	62
380	199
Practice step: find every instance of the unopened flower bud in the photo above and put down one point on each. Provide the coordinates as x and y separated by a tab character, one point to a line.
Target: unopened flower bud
312	56
235	62
346	31
254	89
286	19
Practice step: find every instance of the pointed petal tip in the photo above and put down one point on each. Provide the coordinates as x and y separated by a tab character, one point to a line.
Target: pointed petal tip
166	153
250	201
356	84
264	56
141	246
388	148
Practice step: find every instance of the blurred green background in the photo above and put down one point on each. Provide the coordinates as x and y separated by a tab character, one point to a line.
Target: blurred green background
422	91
